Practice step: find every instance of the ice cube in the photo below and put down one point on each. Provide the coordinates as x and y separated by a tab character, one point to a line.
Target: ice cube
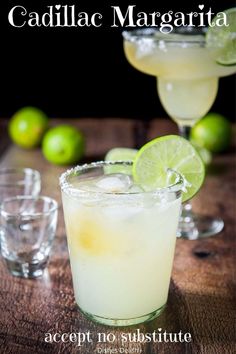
135	188
114	183
88	187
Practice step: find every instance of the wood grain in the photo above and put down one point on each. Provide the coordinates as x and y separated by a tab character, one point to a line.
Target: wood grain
202	292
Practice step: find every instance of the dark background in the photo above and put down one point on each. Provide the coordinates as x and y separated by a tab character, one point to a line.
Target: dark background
82	72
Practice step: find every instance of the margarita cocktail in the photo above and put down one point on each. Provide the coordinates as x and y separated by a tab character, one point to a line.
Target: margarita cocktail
121	241
187	69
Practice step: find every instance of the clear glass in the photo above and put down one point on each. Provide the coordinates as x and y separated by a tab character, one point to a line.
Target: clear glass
187	75
121	243
19	181
29	225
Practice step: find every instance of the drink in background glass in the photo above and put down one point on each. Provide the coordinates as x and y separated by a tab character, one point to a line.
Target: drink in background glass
187	83
121	242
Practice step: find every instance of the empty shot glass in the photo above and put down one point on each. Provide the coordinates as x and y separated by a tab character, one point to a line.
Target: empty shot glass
19	181
29	226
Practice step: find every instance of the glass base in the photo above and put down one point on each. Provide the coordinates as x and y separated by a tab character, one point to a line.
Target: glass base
124	322
26	270
199	226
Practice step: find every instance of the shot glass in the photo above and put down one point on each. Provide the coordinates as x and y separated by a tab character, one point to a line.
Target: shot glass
19	181
29	226
121	241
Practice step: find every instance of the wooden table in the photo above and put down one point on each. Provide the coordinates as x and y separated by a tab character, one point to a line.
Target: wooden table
202	292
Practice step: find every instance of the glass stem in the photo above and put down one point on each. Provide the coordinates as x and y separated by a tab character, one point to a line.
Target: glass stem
187	224
184	131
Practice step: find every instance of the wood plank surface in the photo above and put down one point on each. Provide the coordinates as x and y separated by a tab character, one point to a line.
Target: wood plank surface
202	292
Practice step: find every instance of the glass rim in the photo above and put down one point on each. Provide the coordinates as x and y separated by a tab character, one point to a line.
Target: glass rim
134	35
12	170
68	187
5	213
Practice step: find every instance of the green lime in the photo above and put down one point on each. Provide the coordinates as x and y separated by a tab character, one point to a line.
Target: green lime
120	154
27	127
224	37
213	132
171	151
63	145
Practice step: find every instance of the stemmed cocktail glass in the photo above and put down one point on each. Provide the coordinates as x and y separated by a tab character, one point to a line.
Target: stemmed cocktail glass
187	75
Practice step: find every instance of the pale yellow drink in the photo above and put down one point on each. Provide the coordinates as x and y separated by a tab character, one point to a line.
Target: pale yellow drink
187	72
121	242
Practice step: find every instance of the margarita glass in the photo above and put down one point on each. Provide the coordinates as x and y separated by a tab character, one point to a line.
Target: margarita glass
121	241
187	75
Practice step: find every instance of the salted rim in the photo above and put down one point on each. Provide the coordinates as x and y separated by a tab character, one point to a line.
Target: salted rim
69	189
187	34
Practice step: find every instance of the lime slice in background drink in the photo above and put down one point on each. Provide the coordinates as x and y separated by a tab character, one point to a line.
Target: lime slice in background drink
224	37
169	152
205	154
119	154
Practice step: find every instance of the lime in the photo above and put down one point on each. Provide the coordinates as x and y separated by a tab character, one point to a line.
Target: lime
213	132
63	145
27	126
120	154
171	151
224	37
205	154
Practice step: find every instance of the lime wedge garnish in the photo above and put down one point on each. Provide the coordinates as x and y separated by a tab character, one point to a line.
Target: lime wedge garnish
224	38
169	152
228	56
120	154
